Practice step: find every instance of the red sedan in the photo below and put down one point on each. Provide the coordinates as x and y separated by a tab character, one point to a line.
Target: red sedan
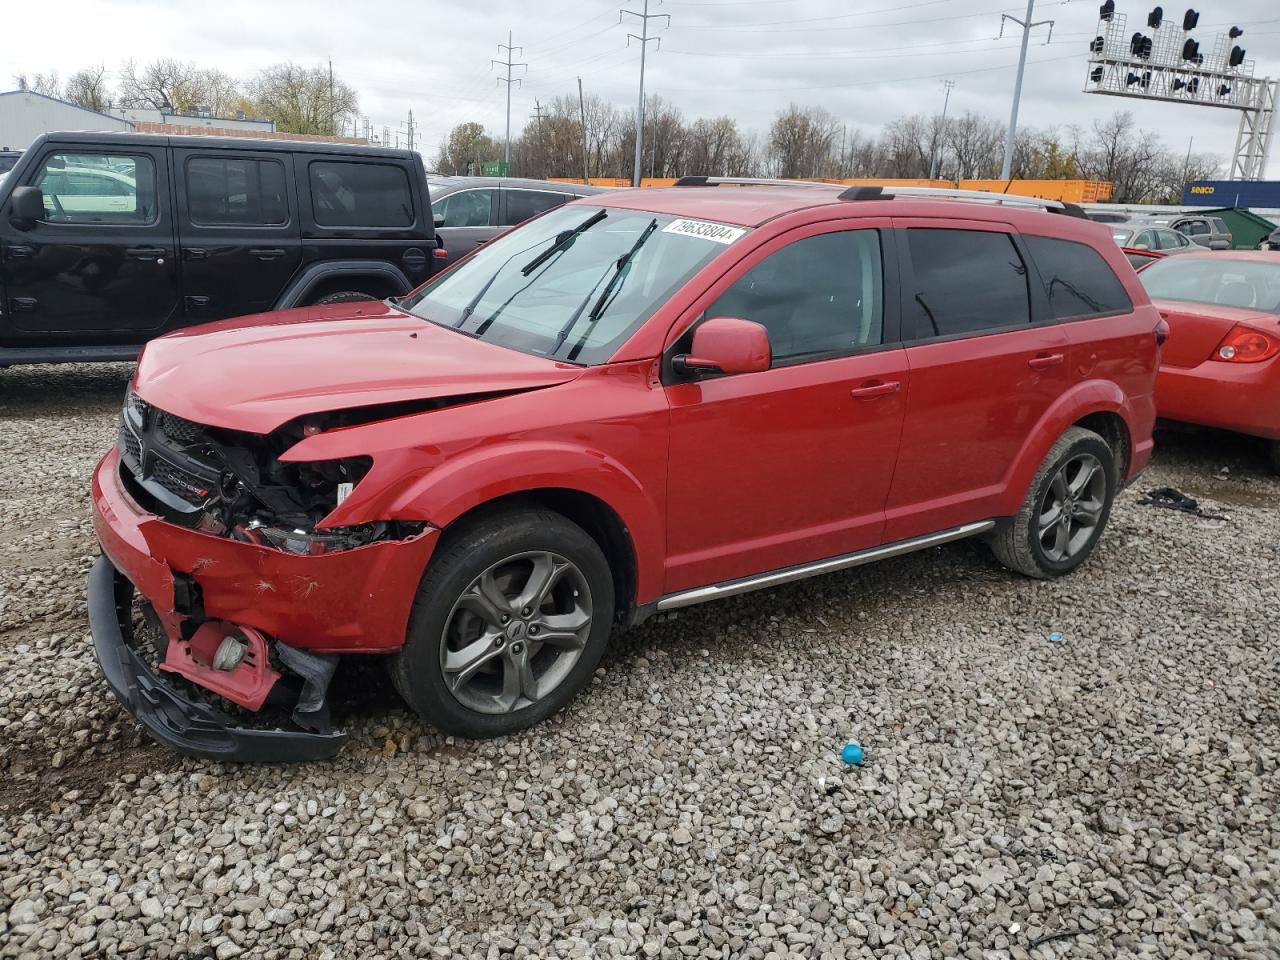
1219	367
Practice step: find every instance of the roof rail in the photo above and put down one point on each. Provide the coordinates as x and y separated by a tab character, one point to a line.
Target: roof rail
976	196
748	182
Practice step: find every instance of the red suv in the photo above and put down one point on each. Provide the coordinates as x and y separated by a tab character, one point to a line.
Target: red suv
633	403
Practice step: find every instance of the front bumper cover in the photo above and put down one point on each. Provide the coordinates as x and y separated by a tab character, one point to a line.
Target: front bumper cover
170	716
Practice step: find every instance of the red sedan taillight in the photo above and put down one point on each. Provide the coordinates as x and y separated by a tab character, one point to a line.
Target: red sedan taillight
1246	345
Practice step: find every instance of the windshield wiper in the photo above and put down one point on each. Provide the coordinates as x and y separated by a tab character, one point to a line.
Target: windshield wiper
621	268
475	301
564	239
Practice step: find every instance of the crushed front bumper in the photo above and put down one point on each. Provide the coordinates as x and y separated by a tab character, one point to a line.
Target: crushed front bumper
193	728
355	601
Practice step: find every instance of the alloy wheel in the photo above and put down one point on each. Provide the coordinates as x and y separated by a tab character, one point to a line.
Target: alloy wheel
516	632
1072	507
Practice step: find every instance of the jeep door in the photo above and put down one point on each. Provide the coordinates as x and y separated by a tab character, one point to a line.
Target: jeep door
986	362
237	229
99	267
792	464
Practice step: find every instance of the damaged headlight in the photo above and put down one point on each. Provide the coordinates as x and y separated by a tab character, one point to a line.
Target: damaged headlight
315	543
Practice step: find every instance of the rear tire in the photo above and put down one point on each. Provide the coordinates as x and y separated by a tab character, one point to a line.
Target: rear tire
509	623
344	296
1065	511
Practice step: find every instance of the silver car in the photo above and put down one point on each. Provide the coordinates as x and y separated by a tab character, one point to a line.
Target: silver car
1140	236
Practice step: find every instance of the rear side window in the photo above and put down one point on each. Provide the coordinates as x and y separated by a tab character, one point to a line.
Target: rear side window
466	208
98	188
236	191
967	281
346	194
1078	281
1195	228
523	204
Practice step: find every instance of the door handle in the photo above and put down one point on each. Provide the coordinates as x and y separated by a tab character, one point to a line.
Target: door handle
267	253
145	253
17	251
869	391
196	302
194	253
17	304
1044	361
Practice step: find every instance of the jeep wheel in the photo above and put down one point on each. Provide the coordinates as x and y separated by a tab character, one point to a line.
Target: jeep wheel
344	296
509	624
1065	511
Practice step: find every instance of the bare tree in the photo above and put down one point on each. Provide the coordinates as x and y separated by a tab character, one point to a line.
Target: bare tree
166	84
88	88
44	83
800	142
303	99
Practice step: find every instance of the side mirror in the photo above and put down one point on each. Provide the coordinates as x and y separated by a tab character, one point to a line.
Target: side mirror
726	345
26	207
439	219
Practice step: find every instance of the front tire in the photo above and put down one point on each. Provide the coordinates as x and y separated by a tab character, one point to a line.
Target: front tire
1065	511
344	296
509	624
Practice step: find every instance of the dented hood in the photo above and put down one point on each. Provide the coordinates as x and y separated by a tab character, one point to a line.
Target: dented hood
256	373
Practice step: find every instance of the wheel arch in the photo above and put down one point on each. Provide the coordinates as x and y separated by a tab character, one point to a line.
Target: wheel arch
601	522
325	278
1097	405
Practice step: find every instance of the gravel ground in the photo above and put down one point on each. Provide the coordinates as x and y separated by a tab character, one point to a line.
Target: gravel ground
1113	794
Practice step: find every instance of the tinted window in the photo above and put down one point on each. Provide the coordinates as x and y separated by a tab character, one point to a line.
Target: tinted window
1077	279
98	188
360	195
966	281
467	208
1195	228
816	297
235	190
523	204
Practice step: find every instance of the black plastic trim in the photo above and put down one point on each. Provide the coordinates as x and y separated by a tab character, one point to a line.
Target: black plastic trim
172	718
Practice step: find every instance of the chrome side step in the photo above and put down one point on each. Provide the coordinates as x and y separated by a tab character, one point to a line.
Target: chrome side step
731	588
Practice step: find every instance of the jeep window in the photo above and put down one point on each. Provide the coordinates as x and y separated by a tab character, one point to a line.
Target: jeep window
523	204
818	297
548	310
1078	281
236	190
466	208
1251	284
966	281
99	189
359	194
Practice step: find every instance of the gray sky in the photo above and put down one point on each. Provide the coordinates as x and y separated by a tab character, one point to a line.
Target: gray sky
866	61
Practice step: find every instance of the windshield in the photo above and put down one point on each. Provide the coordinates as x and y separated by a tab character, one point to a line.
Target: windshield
1122	237
573	284
1222	280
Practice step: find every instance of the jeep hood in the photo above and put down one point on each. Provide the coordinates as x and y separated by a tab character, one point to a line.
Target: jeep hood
256	373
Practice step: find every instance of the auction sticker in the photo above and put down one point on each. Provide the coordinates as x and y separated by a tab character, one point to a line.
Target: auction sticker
716	232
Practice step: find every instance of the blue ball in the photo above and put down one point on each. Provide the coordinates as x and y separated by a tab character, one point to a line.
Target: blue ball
851	754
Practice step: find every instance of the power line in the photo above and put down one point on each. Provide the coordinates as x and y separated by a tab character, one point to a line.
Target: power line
862	26
508	80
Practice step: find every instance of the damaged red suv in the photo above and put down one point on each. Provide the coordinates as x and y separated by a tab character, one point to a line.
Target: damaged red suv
632	403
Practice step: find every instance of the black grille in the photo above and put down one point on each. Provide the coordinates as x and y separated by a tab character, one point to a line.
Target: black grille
188	486
130	446
179	430
138	406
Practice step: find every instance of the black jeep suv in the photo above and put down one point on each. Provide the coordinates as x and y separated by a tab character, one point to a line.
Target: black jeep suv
108	240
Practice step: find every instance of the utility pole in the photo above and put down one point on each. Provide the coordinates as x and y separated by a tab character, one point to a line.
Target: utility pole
1026	25
582	111
942	127
537	115
409	126
644	17
508	80
331	110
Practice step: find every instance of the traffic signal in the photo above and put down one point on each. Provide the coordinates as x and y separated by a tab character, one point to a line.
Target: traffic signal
1107	10
1224	90
1190	50
1140	46
1096	75
1144	79
1235	32
1155	18
1096	45
1191	86
1190	19
1237	57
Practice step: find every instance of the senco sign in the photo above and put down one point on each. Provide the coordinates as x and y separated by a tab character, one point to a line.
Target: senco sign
1262	194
